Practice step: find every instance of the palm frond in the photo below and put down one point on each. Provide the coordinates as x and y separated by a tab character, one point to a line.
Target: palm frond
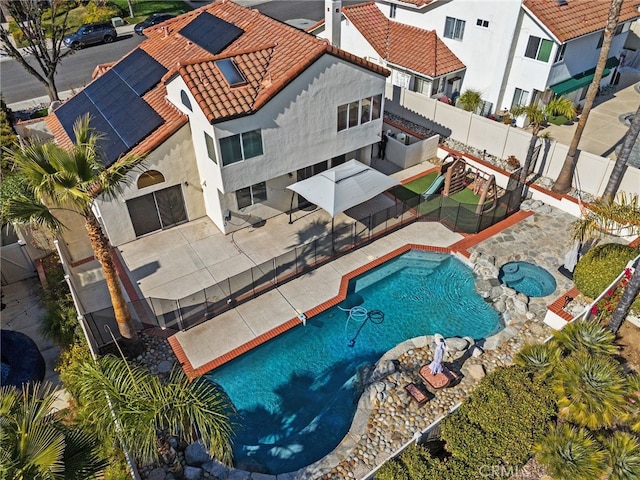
601	217
22	209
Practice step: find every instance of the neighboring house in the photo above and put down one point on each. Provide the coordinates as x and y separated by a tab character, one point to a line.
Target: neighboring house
230	107
515	52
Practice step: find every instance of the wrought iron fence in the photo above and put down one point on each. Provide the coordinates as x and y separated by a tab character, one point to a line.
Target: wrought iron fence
189	311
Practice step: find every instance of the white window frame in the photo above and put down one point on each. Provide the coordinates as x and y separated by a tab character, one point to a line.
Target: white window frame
520	94
242	153
252	195
454	28
560	53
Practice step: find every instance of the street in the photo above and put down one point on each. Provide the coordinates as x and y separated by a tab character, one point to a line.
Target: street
16	85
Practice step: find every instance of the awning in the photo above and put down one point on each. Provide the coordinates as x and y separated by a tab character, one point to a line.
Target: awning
342	187
582	79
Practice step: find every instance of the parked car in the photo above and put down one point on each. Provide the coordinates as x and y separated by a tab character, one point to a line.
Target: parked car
90	34
152	20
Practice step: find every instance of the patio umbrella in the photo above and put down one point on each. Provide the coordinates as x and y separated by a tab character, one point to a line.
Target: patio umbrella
436	365
571	258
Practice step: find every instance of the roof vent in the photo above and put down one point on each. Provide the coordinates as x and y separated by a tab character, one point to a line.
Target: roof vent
562	2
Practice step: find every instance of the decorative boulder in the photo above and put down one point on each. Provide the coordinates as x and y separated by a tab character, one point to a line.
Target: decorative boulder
157	474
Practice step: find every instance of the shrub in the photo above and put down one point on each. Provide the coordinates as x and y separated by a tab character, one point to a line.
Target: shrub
501	419
97	13
600	266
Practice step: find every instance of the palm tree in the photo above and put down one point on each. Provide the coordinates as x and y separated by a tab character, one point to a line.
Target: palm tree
602	217
537	116
591	391
565	177
36	444
148	410
570	453
470	100
72	179
623	456
621	161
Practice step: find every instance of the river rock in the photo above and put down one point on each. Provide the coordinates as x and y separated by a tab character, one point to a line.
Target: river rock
476	372
157	474
457	344
192	473
195	454
216	469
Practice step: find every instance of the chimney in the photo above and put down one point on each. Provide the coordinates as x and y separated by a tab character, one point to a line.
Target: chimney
332	20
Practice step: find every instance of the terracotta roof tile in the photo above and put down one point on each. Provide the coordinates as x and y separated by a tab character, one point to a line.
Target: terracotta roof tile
269	53
414	48
577	17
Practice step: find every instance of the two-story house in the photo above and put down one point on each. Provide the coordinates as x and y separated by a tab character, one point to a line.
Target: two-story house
514	51
229	107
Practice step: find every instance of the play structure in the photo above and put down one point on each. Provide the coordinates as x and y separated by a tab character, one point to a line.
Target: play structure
457	175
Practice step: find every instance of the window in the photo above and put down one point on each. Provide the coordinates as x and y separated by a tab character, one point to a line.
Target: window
482	23
185	100
560	53
392	10
621	27
211	150
150	177
360	112
365	110
422	85
251	195
241	147
538	49
519	97
353	113
342	117
377	107
454	28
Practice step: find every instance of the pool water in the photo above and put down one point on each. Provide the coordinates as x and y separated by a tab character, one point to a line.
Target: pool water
297	394
527	278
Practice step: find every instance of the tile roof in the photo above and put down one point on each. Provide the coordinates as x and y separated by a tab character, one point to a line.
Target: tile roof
270	54
577	17
417	3
414	48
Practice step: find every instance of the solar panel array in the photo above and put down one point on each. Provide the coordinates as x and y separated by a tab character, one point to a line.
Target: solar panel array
115	105
211	33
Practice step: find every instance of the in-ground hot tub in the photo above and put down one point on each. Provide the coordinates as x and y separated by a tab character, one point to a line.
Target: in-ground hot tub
527	278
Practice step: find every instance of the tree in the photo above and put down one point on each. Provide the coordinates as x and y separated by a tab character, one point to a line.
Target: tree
148	409
72	179
537	116
35	442
470	100
621	161
565	177
601	217
47	52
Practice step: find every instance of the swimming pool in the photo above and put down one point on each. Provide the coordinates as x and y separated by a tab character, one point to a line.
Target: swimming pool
527	278
297	394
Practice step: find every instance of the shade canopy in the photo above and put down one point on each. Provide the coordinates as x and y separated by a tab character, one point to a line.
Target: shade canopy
342	187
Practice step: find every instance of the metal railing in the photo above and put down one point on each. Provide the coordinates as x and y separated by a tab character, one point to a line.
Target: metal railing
189	311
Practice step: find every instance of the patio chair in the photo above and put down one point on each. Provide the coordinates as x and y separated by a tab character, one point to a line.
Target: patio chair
416	393
439	380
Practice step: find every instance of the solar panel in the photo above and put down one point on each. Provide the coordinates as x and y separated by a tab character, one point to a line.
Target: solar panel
140	71
110	144
230	72
117	111
211	33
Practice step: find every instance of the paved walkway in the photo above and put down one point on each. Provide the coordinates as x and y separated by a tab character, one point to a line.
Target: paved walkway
604	131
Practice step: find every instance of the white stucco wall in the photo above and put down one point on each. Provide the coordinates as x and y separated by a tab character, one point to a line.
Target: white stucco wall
484	51
175	159
299	129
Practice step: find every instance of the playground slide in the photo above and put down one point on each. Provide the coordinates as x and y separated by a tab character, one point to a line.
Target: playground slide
435	186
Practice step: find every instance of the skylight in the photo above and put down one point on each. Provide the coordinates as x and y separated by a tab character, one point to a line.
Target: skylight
230	72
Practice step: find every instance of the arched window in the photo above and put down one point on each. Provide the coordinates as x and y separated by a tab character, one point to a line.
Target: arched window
150	177
185	100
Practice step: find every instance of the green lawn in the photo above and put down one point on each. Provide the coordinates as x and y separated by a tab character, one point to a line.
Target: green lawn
143	8
405	192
